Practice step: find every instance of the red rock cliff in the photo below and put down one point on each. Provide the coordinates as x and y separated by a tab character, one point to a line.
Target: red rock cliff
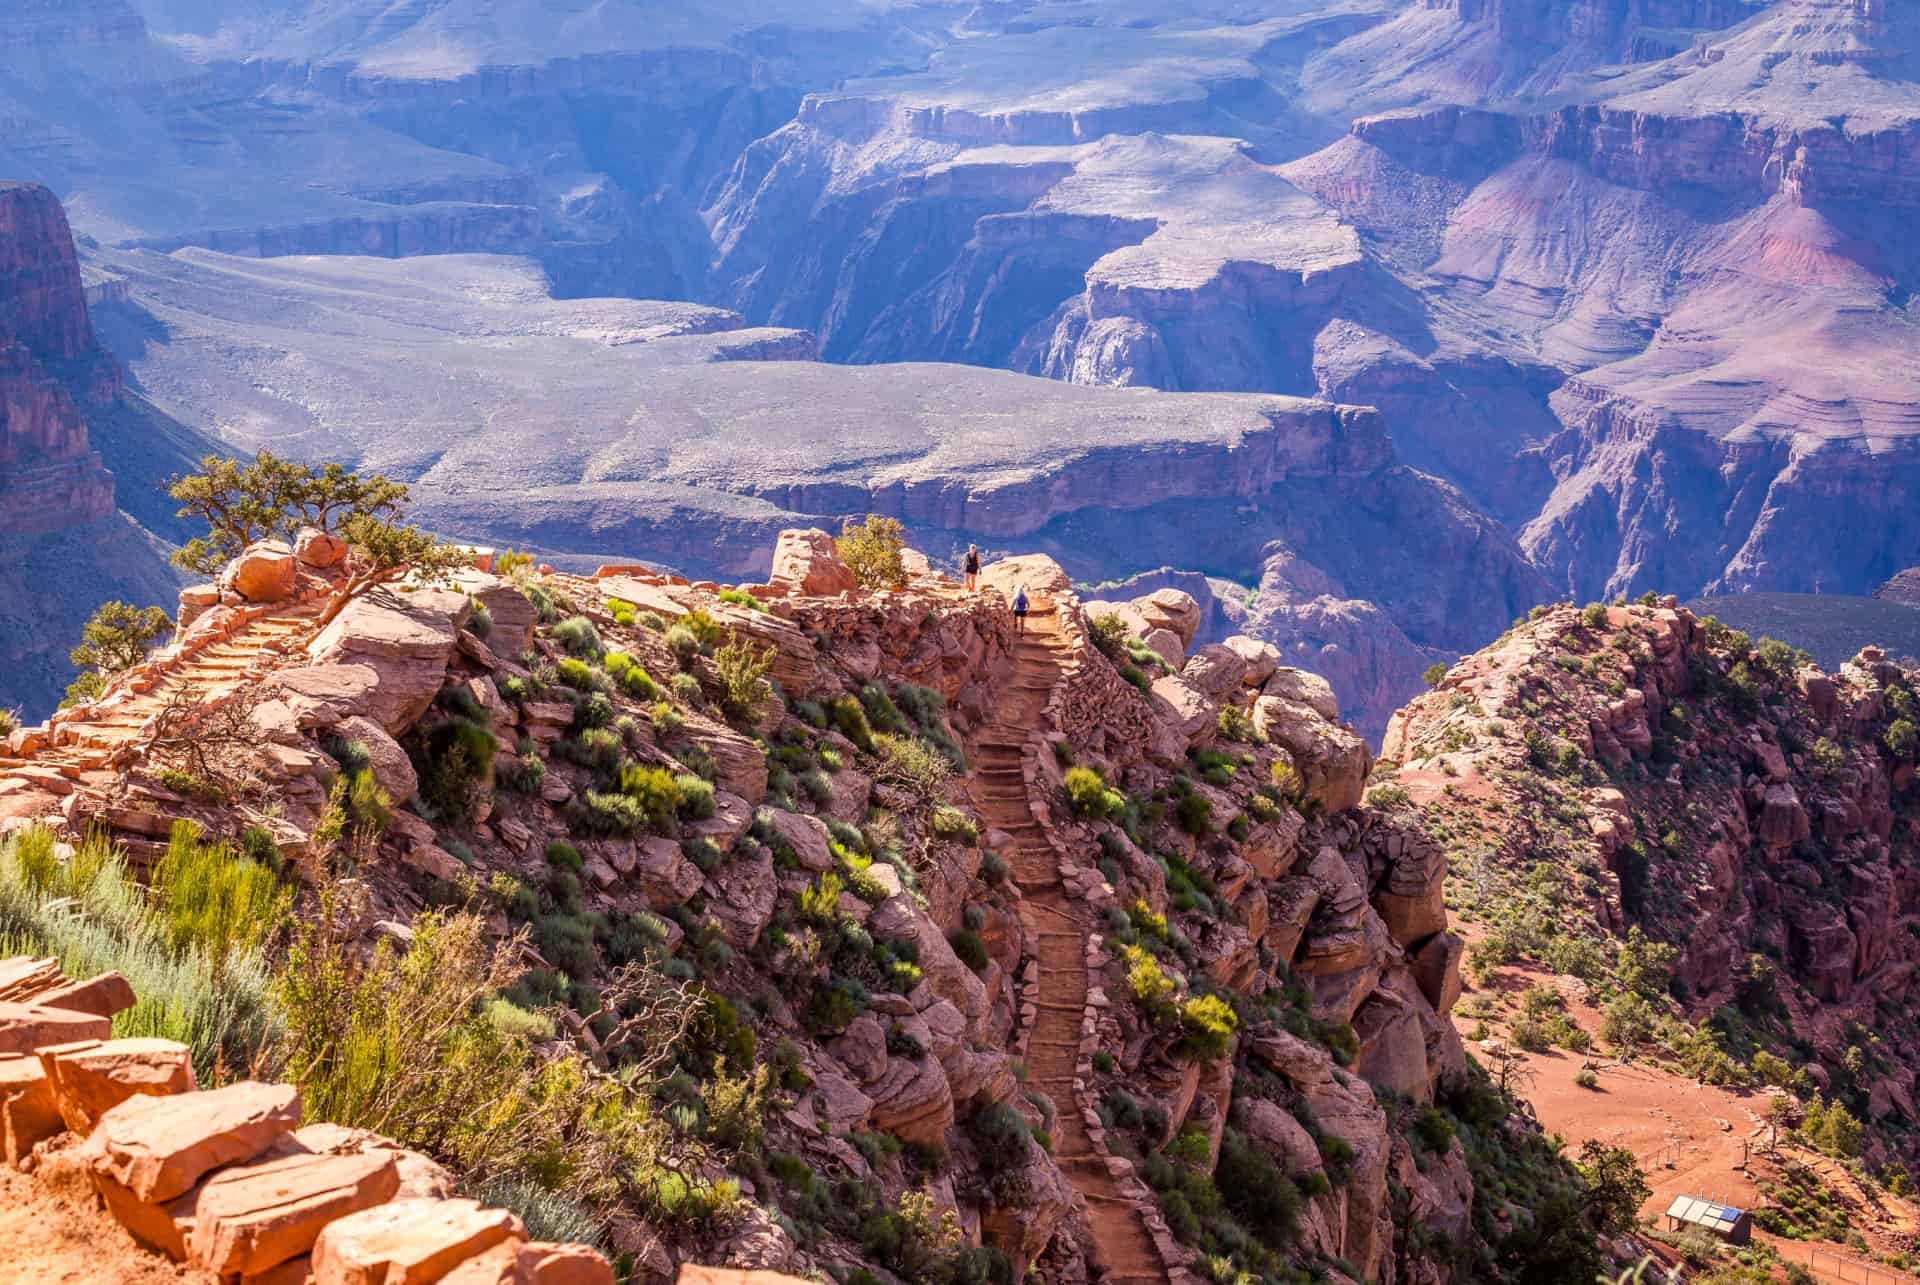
50	370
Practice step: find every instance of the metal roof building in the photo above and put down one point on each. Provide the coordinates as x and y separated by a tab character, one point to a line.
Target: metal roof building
1735	1226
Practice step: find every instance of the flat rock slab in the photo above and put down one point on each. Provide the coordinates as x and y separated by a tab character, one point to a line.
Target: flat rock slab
250	1218
102	996
157	1148
27	1028
91	1078
409	1242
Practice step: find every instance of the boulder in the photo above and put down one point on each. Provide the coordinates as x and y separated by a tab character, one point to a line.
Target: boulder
1393	1045
694	1274
1165	644
912	1100
1039	575
1303	688
1217	671
248	1218
406	639
665	876
1436	970
28	1113
1283	1136
265	571
91	1078
392	770
1023	1233
1185	708
409	1241
745	891
1172	609
740	765
157	1148
1331	761
539	1263
102	996
807	836
805	562
318	549
1261	658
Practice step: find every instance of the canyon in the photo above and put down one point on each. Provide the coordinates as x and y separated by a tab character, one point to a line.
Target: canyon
1627	278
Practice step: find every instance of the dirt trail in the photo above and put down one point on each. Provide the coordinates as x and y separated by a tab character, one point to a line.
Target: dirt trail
1125	1250
46	1241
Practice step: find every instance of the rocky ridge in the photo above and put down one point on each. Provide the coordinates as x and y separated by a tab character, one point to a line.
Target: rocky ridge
1638	769
1245	868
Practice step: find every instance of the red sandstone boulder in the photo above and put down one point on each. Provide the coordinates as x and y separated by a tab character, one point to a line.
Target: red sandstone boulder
26	1028
102	996
248	1218
805	562
318	549
157	1148
265	571
28	1113
91	1078
409	1242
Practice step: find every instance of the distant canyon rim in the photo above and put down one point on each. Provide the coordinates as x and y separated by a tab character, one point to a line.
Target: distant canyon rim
1372	323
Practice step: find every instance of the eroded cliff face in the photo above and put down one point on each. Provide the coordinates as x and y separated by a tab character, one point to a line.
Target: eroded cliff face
50	370
1734	802
66	546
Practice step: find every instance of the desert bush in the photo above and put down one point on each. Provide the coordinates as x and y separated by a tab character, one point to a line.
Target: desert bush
196	971
1207	1026
872	551
1147	982
972	951
912	763
743	669
633	678
694	796
741	598
1435	674
1089	796
654	790
1109	634
683	644
952	823
577	637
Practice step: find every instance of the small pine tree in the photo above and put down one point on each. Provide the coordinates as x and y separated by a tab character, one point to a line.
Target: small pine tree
117	637
872	551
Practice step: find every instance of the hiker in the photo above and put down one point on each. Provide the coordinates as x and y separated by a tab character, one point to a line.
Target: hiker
972	567
1020	609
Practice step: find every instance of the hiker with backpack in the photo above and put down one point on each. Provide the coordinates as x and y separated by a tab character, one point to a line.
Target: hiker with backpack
1020	610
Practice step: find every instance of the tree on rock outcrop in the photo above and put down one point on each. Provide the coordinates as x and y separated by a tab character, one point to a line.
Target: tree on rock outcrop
381	551
872	551
273	498
117	638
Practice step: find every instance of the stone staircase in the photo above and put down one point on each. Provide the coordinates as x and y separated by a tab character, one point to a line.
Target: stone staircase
1131	1243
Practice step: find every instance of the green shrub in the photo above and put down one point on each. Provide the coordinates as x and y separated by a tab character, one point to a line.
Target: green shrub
741	598
610	814
196	970
655	790
952	823
872	550
1594	615
970	948
577	637
1109	634
1194	814
912	763
851	720
1147	982
598	748
562	855
695	796
682	643
1207	1024
1435	674
634	680
1089	796
1001	1138
743	669
667	722
521	773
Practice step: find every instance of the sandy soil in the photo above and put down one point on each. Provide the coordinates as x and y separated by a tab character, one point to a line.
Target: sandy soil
46	1241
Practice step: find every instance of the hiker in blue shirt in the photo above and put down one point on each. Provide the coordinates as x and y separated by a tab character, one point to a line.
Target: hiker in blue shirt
1020	609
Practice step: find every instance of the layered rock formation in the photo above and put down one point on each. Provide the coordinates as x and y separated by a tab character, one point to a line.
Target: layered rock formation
1738	804
1239	858
65	546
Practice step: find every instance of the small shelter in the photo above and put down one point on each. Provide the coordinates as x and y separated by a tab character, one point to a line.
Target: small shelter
1735	1226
